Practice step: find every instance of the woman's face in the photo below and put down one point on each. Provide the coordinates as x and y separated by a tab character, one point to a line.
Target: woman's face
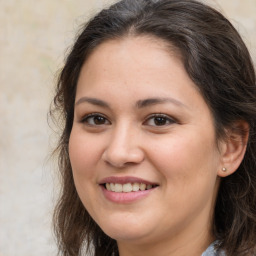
142	147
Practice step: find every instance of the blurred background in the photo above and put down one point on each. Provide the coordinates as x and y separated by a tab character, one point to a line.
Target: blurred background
34	38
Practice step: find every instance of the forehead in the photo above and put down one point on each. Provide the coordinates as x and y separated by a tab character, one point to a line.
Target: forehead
129	42
145	56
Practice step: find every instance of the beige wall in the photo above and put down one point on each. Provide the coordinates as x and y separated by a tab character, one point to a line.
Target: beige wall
33	38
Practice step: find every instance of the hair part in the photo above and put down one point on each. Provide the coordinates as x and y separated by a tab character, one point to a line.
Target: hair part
218	62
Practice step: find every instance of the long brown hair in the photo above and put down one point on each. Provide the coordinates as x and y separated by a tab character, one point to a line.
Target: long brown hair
218	62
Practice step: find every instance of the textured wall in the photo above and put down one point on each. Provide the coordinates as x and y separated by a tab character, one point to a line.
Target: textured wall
33	39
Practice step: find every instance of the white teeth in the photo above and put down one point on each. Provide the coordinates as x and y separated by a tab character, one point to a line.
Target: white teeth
127	187
108	186
135	187
112	186
142	186
118	187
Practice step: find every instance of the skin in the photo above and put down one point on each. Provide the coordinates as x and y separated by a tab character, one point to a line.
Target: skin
181	155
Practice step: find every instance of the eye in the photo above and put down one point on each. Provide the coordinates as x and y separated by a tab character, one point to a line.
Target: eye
159	120
95	119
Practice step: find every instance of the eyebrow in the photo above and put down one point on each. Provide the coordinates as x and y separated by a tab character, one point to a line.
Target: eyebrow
93	101
139	104
155	101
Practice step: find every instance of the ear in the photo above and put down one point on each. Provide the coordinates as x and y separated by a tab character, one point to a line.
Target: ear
233	148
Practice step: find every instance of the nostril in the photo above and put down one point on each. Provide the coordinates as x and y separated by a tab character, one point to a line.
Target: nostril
123	157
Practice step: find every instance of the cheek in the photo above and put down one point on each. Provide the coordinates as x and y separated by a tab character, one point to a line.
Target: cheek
187	162
83	154
189	175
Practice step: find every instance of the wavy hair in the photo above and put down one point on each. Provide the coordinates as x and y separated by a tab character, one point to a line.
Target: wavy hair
218	62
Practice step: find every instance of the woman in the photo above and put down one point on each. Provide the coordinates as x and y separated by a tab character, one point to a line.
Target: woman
157	153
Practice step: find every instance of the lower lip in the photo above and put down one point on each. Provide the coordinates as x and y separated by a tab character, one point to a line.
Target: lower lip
124	197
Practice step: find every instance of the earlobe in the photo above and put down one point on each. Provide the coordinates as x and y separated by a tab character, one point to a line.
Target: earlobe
234	148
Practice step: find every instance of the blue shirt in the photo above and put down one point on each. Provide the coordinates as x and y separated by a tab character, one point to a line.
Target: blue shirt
211	251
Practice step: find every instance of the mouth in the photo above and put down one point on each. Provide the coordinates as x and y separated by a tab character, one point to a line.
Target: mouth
128	187
126	184
123	190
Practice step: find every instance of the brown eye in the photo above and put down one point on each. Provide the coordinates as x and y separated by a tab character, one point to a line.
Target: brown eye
159	120
99	120
95	119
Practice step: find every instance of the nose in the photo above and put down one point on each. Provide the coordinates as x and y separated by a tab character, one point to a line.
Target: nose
123	148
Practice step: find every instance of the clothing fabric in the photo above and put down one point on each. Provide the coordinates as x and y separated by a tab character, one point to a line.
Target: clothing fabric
211	251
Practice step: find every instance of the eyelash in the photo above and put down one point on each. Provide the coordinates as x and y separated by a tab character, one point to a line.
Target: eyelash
165	118
93	116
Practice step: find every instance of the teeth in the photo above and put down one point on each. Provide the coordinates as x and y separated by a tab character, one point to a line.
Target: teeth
112	186
118	187
128	187
108	186
135	187
143	186
149	186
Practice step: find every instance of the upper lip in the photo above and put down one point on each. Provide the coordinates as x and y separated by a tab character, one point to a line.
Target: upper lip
126	179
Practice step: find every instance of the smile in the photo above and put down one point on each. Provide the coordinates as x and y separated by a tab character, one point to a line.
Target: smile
128	187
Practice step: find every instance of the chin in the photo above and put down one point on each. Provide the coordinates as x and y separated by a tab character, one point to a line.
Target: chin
127	235
124	230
